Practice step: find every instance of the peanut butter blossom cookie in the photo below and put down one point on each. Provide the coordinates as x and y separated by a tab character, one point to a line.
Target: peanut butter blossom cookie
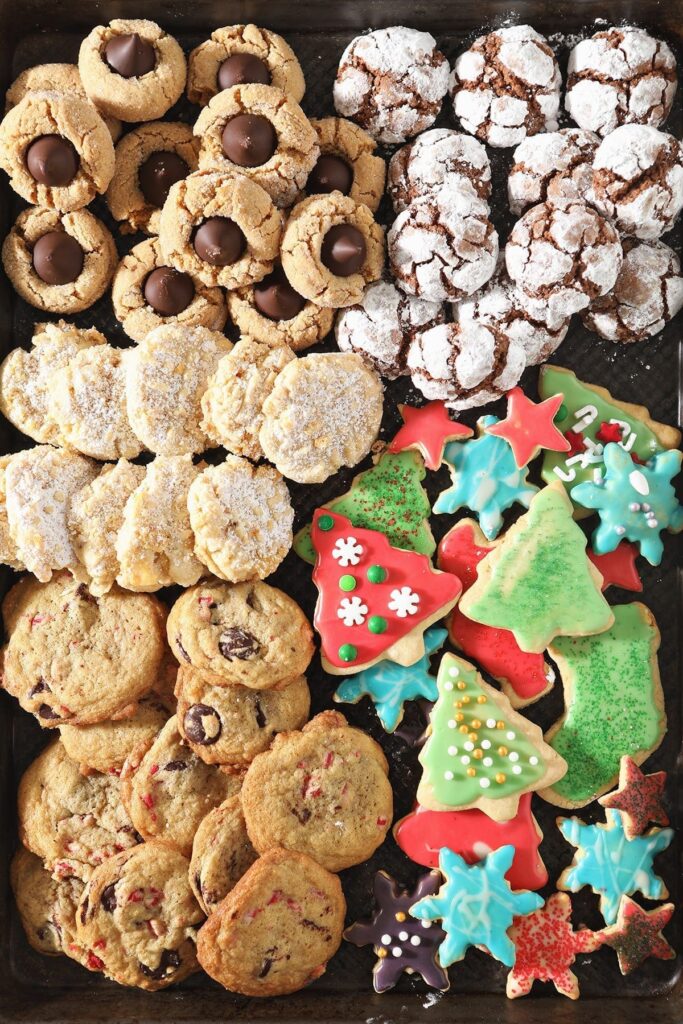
54	78
272	310
221	854
347	163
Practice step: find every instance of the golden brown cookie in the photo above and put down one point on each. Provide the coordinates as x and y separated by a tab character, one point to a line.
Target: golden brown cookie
54	78
221	853
348	163
272	311
9	554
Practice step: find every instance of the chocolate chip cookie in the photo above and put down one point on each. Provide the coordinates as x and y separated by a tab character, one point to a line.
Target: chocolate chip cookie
221	853
47	906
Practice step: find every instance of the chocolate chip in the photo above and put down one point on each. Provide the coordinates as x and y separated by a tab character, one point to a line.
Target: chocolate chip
182	650
84	909
46	712
237	643
168	291
260	717
275	298
130	56
202	724
249	140
40	687
83	592
219	241
302	816
175	766
343	250
242	69
52	160
331	174
158	172
170	961
108	898
57	258
265	967
311	925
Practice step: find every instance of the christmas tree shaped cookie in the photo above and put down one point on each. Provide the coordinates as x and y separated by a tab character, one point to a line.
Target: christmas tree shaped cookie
375	601
538	582
388	497
480	751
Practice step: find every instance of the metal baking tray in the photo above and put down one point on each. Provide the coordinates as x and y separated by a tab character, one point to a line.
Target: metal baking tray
35	988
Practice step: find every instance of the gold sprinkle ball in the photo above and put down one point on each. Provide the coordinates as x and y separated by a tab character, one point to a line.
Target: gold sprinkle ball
478	754
476	724
500	778
459	717
503	751
382	952
481	699
500	725
463	728
461	685
400	915
471	772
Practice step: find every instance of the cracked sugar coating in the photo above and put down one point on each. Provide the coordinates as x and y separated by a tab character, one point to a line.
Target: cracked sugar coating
343	138
648	293
391	82
553	166
443	247
104	746
221	853
507	86
382	325
620	76
564	255
638	180
440	159
55	78
466	366
324	412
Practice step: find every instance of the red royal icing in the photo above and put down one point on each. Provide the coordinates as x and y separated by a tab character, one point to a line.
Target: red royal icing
528	426
618	567
609	432
576	441
428	429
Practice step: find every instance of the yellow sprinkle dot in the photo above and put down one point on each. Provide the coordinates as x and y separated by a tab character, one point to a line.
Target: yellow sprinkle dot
481	699
458	703
503	751
461	685
463	728
382	952
478	754
459	717
476	724
400	916
473	737
471	772
500	725
466	700
500	778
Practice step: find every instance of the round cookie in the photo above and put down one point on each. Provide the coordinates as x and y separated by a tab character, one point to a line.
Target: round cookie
272	311
54	78
131	69
57	150
248	633
382	325
259	131
323	791
439	160
149	160
8	549
139	914
221	853
169	790
47	907
259	945
146	293
507	86
104	746
324	412
347	163
242	519
243	55
231	724
64	644
332	248
60	263
221	228
391	82
553	166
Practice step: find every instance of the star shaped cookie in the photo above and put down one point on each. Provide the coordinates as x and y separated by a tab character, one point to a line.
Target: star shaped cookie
639	798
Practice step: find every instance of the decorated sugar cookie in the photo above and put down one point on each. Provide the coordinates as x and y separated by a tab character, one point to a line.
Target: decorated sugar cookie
375	601
486	479
612	865
480	752
473	835
523	677
428	429
640	798
637	934
634	502
538	582
476	906
529	427
401	943
618	567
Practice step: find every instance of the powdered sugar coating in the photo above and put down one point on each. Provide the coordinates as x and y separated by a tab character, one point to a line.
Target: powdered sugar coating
619	76
638	180
440	159
648	293
554	166
443	247
391	82
507	86
380	328
8	549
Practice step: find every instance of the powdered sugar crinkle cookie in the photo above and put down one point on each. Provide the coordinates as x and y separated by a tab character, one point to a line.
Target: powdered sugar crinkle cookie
554	166
440	159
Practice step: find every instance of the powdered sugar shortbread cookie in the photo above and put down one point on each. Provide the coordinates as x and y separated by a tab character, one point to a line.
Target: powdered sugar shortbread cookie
347	163
443	246
242	519
221	853
507	86
132	69
391	82
220	227
638	180
155	544
272	311
46	905
54	78
564	255
439	160
618	76
323	413
553	166
382	325
233	401
259	131
60	263
243	55
8	549
168	373
647	294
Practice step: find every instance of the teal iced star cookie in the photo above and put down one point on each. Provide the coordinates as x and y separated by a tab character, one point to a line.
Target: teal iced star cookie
635	502
389	685
612	865
476	906
486	479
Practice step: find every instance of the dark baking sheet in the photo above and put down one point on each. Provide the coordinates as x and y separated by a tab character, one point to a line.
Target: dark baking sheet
36	988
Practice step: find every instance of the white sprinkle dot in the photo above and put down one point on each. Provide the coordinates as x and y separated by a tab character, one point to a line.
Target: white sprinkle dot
490	723
484	783
486	744
465	759
451	723
426	924
516	769
510	735
415	940
620	530
533	760
468	745
452	751
487	762
449	777
403	936
397	951
514	756
454	671
386	940
448	686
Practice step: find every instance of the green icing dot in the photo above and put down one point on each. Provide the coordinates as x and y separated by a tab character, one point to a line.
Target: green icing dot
347	652
325	523
347	583
377	574
376	624
562	412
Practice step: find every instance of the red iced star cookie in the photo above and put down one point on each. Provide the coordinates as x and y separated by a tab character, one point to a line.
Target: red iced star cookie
529	426
618	567
547	946
428	429
639	798
637	934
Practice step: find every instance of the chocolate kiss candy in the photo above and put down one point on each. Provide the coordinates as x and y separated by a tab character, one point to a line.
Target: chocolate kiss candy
330	174
219	241
52	161
57	258
249	140
275	298
168	291
157	174
343	250
130	56
242	69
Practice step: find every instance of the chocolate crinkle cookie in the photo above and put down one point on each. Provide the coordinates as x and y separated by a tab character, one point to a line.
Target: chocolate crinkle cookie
382	325
554	166
620	76
391	82
441	159
647	295
638	180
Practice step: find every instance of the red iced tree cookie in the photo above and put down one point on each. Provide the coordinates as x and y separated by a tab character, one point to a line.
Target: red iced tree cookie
375	601
428	429
637	934
529	427
639	798
524	677
618	567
